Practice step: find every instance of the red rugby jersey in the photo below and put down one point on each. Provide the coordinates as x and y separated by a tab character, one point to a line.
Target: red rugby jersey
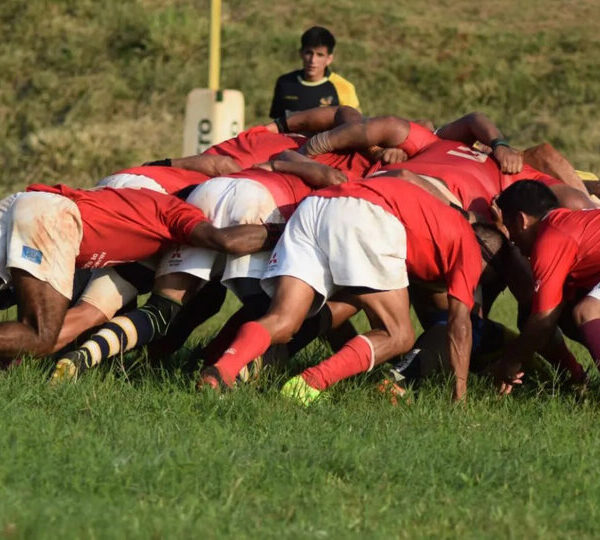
256	145
171	179
441	244
566	252
472	176
121	225
287	190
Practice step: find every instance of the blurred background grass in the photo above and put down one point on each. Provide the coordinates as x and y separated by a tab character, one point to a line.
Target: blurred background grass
89	87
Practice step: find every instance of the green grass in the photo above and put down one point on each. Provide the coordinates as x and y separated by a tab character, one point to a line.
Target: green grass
89	87
138	453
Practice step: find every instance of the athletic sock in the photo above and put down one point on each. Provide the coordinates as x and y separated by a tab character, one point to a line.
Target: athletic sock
355	357
254	308
590	332
126	332
252	340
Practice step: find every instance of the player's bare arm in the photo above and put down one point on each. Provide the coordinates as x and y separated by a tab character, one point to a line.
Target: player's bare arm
384	131
477	126
237	240
545	158
315	120
316	175
41	310
459	344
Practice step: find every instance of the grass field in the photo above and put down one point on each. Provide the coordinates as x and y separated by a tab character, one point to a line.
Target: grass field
90	87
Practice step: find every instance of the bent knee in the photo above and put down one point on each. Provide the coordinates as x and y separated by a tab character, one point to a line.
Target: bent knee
282	328
403	340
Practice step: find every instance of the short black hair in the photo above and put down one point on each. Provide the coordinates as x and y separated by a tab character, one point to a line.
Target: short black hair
317	36
528	196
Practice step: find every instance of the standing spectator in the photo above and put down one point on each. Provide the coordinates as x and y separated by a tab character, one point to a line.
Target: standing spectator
314	85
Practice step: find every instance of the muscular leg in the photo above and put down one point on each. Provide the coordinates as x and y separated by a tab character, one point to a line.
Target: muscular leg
133	329
545	158
78	319
206	303
41	310
572	198
392	334
332	320
291	302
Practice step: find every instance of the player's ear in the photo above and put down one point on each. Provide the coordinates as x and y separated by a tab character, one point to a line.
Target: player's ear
523	221
329	59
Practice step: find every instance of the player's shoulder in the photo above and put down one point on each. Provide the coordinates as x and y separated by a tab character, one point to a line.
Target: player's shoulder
345	90
338	80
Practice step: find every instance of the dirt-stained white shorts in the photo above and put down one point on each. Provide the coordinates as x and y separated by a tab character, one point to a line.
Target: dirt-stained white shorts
330	243
226	202
41	234
133	181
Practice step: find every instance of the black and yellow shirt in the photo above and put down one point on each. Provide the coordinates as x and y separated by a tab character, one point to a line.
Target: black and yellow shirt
293	93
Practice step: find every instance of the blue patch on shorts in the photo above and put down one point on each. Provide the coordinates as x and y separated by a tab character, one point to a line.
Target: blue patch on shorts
33	255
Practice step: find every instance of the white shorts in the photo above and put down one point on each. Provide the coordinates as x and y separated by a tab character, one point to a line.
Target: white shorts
41	234
331	243
226	202
595	292
134	181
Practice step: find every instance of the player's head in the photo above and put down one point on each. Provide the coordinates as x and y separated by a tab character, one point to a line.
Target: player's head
316	51
522	205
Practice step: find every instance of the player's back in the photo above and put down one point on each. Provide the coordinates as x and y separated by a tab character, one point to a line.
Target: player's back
121	225
472	176
440	242
256	145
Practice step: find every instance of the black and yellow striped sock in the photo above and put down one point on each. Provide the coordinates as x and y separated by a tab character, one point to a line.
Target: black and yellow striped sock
121	334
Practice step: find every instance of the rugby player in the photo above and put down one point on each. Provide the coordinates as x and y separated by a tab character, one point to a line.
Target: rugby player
110	289
250	196
362	237
448	160
563	247
49	231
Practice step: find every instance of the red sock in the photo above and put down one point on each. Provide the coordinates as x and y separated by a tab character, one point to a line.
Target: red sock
252	340
226	335
591	338
568	362
351	359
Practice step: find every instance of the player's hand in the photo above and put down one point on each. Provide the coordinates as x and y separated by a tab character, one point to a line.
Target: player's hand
507	376
393	155
334	177
509	159
266	166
